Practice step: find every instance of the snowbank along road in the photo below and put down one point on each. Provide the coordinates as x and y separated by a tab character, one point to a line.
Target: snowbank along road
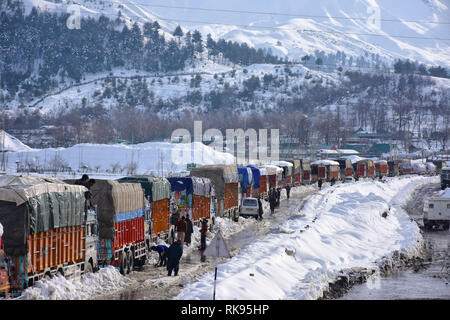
294	254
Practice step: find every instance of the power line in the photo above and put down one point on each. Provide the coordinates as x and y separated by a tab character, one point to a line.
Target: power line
276	13
282	28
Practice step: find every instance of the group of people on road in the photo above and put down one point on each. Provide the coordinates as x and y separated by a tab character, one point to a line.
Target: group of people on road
170	256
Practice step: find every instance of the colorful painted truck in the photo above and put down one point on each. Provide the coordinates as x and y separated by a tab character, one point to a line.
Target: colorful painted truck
226	185
192	195
325	170
306	171
48	229
393	168
345	168
263	183
121	214
274	175
4	274
297	172
157	193
287	173
381	168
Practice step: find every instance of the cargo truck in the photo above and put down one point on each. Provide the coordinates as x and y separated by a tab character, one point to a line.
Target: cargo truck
121	214
192	196
445	178
436	210
226	184
157	193
48	230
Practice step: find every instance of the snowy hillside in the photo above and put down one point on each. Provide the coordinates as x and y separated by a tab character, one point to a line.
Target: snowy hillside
157	158
416	29
12	143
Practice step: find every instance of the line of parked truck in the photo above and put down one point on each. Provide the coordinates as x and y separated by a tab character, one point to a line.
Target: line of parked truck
73	227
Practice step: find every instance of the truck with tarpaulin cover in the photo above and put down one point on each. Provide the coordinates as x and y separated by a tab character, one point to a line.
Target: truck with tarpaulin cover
263	183
48	229
445	178
4	276
345	168
325	170
296	172
256	186
287	174
274	174
121	212
245	181
226	185
365	168
192	195
306	171
157	194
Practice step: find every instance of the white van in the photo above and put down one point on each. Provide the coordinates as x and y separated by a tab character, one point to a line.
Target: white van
249	208
436	210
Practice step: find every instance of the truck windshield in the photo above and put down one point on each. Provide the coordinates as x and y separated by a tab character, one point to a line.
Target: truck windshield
250	202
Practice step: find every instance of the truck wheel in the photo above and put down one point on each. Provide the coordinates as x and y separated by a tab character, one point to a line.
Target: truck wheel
88	268
130	258
446	226
124	264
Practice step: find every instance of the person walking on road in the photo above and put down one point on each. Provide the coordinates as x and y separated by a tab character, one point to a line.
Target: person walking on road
272	201
174	254
162	251
181	229
189	231
203	232
260	208
288	190
278	194
320	184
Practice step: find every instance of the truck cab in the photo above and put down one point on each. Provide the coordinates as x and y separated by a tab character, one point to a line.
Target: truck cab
445	178
436	211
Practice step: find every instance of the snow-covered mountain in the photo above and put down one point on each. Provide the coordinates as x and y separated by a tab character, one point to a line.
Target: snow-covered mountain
415	29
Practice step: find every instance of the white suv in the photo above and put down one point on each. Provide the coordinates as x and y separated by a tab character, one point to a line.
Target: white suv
249	208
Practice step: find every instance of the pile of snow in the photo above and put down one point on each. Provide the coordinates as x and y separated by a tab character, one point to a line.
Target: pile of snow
158	158
349	231
11	143
59	288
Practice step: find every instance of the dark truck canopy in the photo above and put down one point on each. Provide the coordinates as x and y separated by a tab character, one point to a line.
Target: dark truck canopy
30	205
219	175
192	185
155	188
115	202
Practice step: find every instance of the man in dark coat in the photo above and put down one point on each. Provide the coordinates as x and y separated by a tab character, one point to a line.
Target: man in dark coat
320	184
272	201
181	229
162	250
260	208
174	254
189	231
288	190
203	232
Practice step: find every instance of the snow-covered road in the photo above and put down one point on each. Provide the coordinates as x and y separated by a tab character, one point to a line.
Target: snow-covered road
340	227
